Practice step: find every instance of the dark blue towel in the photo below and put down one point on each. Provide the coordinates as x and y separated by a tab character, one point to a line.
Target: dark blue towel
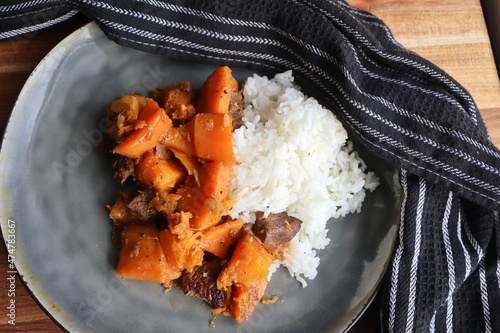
444	275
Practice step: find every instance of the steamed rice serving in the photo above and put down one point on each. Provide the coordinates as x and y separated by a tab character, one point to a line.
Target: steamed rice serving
293	155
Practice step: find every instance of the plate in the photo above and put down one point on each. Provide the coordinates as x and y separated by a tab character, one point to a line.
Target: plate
55	186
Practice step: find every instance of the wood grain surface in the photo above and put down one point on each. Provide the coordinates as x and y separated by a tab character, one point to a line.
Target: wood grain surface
450	33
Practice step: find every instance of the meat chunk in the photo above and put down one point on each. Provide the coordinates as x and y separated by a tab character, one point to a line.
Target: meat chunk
276	229
129	210
202	283
140	205
124	168
161	151
236	109
176	100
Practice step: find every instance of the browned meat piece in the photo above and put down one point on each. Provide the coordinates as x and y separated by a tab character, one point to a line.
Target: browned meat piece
119	212
276	229
140	205
182	90
202	283
236	109
127	210
176	100
161	151
124	167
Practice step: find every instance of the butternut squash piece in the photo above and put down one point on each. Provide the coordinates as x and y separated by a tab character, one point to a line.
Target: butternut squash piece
122	115
152	123
217	240
215	94
189	162
193	201
245	299
179	139
141	256
206	212
205	194
178	223
211	135
249	262
160	174
182	251
165	202
215	180
119	212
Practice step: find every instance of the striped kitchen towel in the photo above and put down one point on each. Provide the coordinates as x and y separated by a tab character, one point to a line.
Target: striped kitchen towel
444	275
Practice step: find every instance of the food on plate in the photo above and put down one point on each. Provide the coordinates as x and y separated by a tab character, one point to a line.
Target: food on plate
230	184
294	156
275	229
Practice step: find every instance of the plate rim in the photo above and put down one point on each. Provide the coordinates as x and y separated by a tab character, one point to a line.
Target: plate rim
33	290
29	283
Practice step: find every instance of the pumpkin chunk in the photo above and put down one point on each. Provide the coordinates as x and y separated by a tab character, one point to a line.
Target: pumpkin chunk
249	262
245	299
215	93
141	256
217	240
182	251
159	174
151	125
206	194
211	135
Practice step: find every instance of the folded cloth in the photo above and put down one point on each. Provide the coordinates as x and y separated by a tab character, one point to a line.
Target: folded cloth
445	271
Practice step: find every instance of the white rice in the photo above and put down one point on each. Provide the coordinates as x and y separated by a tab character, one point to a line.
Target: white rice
294	156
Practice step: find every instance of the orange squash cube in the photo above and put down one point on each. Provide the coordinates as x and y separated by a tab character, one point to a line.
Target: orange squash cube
217	240
160	174
245	298
205	195
179	139
215	94
249	262
211	135
155	122
182	251
141	256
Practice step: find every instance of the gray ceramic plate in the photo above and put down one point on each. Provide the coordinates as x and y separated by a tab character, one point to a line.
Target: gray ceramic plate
55	186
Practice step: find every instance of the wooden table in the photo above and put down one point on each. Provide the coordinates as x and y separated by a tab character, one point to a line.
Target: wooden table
450	33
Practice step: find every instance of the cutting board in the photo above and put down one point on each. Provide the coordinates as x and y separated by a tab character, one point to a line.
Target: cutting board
452	34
